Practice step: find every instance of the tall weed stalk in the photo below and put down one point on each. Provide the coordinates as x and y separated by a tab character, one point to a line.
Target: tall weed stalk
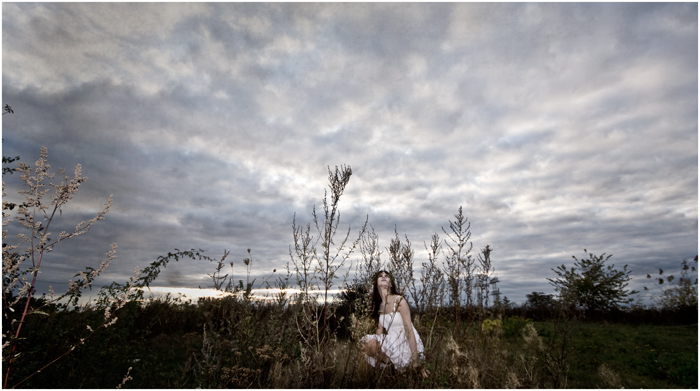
459	265
484	279
37	216
317	271
401	263
432	294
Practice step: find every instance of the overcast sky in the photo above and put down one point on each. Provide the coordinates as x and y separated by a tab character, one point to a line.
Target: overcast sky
557	127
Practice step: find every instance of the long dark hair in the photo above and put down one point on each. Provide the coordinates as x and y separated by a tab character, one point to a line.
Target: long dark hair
377	298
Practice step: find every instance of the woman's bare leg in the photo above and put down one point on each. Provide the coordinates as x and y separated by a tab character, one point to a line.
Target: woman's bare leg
373	349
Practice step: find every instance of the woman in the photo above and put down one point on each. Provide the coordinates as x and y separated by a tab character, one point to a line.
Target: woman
401	345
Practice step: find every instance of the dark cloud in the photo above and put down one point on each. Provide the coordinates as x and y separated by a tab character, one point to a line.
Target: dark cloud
557	127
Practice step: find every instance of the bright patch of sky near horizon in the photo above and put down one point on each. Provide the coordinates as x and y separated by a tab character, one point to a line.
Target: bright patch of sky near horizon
557	127
194	294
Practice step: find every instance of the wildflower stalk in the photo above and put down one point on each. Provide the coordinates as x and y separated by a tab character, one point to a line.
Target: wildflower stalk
432	282
39	239
319	272
401	261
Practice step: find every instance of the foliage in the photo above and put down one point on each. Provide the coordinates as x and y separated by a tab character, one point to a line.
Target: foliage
9	170
491	324
540	300
371	261
36	215
432	277
678	293
317	272
432	292
134	289
459	264
6	159
591	285
484	278
401	265
356	296
513	325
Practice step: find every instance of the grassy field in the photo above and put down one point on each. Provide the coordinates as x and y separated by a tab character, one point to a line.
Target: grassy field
643	356
165	345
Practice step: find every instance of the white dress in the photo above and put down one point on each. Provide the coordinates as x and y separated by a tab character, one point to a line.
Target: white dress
394	343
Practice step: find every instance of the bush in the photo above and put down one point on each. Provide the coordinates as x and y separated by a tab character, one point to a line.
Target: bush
591	285
678	294
513	325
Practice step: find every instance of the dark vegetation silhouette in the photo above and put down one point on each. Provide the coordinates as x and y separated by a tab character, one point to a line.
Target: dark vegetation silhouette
592	284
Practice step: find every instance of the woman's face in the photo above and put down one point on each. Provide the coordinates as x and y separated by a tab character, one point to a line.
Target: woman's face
383	280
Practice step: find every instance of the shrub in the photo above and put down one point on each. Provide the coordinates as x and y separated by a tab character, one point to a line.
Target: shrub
513	325
677	294
591	285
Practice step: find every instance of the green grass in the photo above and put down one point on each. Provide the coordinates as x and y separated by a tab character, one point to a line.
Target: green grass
644	356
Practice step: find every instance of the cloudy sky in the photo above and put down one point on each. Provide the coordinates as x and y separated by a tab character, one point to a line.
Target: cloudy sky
557	127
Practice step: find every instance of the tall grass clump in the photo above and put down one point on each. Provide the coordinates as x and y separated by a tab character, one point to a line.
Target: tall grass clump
245	340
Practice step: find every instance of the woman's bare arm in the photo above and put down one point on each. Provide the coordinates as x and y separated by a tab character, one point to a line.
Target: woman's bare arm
405	312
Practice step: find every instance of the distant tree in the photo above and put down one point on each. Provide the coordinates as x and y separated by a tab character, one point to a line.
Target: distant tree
506	303
592	285
678	293
538	300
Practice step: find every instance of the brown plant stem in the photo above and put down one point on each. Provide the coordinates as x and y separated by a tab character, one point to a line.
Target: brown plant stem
19	327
